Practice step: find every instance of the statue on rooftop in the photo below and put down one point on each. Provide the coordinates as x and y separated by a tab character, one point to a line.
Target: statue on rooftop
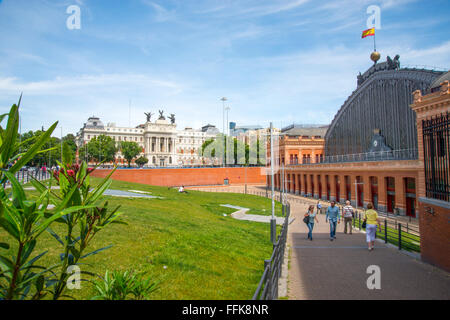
149	115
172	118
161	115
393	64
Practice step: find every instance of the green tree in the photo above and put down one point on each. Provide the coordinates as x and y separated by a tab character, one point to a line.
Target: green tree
101	148
141	161
130	150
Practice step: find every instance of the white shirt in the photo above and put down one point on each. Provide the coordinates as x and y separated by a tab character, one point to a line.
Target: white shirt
348	210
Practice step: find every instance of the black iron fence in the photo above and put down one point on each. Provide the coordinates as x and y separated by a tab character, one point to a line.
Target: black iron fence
268	285
403	235
436	148
26	176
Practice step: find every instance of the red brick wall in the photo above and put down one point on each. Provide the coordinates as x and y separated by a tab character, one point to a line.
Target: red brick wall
435	235
187	176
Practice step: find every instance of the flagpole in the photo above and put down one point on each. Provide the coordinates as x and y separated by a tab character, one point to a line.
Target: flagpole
374	43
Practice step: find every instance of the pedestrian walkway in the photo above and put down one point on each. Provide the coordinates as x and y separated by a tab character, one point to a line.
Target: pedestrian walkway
324	269
241	214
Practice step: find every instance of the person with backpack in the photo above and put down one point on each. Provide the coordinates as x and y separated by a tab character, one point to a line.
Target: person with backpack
348	212
333	215
309	218
371	219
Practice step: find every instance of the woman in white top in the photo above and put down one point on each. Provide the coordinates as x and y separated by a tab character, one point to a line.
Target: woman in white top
312	216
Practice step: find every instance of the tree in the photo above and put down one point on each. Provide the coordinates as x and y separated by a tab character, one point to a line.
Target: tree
48	157
141	161
101	148
130	150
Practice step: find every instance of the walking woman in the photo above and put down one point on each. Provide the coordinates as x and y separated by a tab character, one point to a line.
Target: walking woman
372	220
312	216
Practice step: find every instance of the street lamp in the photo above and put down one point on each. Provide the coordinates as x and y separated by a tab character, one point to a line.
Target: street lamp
223	114
228	124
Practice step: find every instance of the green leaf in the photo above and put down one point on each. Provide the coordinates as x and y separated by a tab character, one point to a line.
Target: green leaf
27	250
6	264
18	192
40	283
10	134
33	150
96	251
55	236
44	225
4	245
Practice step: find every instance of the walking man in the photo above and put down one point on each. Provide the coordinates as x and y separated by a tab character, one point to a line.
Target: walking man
334	217
348	213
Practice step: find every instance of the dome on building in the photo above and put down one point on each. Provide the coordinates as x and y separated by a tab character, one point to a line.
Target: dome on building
94	122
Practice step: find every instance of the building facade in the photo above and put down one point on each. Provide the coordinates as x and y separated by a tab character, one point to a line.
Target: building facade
433	187
300	144
371	146
162	144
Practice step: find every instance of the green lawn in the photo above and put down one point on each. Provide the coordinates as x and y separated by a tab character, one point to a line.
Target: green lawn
183	240
410	241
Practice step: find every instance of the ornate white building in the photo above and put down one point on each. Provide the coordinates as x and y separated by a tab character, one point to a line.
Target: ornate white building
162	144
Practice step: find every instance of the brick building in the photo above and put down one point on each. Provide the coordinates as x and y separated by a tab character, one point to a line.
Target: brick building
371	146
433	187
299	144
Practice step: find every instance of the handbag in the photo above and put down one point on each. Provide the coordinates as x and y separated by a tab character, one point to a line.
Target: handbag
306	219
364	224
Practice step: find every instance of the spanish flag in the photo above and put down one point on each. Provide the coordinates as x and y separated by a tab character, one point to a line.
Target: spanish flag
368	32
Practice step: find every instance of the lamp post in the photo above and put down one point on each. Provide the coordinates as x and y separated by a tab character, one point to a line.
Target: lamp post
273	225
223	99
228	124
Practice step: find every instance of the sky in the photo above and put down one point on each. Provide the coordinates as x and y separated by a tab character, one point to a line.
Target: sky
280	61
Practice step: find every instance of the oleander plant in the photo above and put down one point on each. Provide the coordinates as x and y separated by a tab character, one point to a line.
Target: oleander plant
77	206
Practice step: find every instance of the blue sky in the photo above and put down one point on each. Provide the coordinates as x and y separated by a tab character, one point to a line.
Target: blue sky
280	60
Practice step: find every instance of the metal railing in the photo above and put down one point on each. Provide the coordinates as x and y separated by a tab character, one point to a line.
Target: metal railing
268	285
405	236
404	154
26	176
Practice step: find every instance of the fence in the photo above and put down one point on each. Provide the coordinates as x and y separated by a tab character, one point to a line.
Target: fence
268	285
404	236
26	176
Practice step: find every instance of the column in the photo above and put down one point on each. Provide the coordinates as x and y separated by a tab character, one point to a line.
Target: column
332	180
354	191
316	186
324	185
400	196
343	188
310	187
302	183
366	189
382	194
298	183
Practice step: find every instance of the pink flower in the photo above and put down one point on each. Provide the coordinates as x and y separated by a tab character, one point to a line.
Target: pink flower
71	173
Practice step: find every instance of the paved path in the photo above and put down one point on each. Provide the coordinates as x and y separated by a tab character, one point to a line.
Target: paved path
241	214
321	269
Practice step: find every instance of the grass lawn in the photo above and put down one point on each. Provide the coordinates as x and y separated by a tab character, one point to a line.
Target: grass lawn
182	240
410	241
